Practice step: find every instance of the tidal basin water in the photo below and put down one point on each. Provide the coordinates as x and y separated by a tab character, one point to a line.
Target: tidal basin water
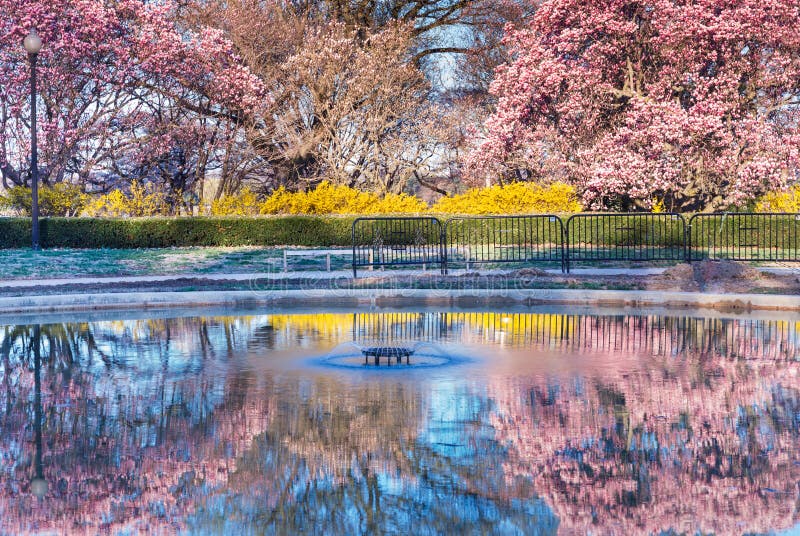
497	423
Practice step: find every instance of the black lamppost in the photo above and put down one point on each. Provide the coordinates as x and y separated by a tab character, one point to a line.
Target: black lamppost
33	44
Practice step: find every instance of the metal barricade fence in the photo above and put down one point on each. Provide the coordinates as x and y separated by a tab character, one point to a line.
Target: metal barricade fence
744	236
636	237
504	239
401	241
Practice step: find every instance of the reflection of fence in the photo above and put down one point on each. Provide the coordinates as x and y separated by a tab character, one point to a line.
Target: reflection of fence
745	237
637	237
658	336
388	328
504	239
632	237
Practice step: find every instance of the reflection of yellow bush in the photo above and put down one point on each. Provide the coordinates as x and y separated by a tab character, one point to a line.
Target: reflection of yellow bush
139	202
788	201
325	324
514	198
517	327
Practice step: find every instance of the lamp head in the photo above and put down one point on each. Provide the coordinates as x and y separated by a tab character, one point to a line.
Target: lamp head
39	487
32	42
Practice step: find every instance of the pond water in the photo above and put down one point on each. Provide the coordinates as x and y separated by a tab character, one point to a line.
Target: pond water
493	422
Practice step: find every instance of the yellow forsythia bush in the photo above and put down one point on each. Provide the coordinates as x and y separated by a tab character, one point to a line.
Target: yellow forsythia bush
329	198
61	199
788	201
141	201
280	202
399	204
514	198
244	203
659	207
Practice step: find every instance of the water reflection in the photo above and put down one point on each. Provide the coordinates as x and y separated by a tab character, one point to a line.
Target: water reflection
614	424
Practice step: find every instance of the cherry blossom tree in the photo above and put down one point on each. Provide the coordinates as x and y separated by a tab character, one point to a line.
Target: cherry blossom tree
692	104
101	67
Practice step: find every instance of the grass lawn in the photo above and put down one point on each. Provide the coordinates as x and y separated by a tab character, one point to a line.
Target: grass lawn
54	263
191	263
68	263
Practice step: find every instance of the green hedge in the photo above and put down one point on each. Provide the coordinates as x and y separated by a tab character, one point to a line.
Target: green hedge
15	232
323	231
179	232
505	231
777	231
661	230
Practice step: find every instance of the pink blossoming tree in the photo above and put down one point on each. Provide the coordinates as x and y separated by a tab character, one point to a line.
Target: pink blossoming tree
110	73
692	104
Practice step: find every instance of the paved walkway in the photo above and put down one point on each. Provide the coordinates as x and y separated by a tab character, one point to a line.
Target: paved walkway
95	280
322	275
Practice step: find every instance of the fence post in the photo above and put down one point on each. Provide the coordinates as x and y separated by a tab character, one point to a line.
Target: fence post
355	266
565	231
443	245
687	242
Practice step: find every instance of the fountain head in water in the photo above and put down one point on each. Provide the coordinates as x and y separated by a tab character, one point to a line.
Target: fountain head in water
377	353
382	355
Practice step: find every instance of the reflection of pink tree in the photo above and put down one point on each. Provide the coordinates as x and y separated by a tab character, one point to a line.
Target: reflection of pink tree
116	455
694	436
706	444
112	479
325	460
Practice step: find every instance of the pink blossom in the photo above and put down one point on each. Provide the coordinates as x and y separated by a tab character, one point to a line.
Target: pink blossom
690	103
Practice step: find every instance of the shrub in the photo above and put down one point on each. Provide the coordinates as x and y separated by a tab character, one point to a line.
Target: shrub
141	201
787	201
398	204
58	200
244	203
329	198
280	202
15	233
514	198
179	232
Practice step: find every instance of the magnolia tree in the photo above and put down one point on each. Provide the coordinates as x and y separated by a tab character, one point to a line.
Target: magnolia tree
103	65
689	104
